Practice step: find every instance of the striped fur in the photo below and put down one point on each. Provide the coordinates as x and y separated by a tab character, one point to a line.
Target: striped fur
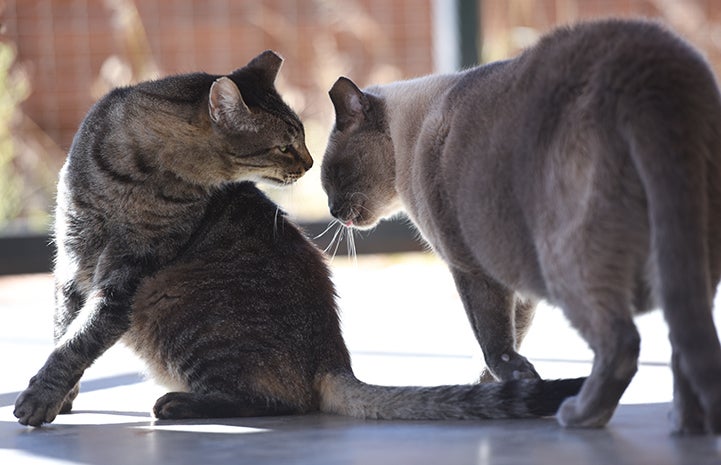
140	174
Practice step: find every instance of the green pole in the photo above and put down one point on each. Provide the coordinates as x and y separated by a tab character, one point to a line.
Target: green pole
469	32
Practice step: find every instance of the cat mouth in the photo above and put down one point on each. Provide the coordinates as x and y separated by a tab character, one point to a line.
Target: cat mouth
353	217
288	178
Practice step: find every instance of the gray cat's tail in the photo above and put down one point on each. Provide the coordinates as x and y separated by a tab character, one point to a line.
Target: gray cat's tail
344	394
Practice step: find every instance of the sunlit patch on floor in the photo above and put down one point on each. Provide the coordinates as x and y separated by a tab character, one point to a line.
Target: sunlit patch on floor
208	429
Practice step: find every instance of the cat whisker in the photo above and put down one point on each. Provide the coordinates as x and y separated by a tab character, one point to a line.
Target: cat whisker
364	208
275	221
335	236
350	238
332	223
341	229
365	197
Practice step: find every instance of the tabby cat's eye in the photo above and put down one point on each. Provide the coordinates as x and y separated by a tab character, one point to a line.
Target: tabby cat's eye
284	148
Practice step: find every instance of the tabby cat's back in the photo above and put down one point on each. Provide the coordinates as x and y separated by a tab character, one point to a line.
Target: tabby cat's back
248	308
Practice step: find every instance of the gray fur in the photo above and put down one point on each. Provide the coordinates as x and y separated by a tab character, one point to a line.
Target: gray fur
586	171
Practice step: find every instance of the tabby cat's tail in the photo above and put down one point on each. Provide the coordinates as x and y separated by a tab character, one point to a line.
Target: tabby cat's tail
344	394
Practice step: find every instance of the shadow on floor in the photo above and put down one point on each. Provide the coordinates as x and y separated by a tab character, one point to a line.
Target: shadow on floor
637	434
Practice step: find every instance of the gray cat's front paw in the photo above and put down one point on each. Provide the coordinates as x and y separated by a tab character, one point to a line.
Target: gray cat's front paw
510	366
37	405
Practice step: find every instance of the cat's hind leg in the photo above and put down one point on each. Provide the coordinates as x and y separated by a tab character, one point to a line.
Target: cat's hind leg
688	415
696	364
615	343
179	405
589	279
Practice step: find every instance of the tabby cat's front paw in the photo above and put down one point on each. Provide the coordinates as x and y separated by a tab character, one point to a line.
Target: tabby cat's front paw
37	405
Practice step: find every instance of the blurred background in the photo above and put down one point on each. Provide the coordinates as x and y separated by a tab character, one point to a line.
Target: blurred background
58	56
402	318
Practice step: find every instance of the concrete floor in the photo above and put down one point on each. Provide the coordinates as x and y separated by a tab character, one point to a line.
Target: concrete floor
404	325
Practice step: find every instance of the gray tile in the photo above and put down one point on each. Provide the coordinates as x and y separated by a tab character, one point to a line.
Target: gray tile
410	330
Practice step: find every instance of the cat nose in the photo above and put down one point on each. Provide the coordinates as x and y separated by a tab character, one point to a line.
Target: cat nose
305	158
342	215
308	164
336	210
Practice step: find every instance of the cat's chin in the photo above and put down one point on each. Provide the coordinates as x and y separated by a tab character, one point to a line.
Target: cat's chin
272	182
362	225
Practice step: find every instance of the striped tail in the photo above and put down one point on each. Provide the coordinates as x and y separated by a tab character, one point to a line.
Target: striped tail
344	394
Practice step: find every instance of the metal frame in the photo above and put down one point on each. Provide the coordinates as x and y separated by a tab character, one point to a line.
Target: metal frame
34	253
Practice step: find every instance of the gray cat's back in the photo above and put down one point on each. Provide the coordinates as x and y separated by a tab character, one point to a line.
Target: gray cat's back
556	118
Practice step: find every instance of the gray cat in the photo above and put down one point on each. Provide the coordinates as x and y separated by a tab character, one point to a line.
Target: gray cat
163	242
586	171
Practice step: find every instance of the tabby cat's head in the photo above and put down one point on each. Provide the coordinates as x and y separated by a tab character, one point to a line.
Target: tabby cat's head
358	170
261	138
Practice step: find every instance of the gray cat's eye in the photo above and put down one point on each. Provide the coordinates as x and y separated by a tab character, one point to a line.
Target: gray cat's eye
284	148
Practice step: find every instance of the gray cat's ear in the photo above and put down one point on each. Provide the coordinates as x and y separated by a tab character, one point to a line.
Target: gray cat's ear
226	105
350	103
268	63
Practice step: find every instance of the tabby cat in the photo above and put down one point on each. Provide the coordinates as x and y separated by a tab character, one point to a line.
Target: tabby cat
164	241
140	174
586	171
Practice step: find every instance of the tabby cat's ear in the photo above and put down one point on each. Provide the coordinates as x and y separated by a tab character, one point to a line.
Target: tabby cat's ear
226	105
268	64
350	103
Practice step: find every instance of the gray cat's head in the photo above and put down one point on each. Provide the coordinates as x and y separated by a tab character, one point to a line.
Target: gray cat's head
358	170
